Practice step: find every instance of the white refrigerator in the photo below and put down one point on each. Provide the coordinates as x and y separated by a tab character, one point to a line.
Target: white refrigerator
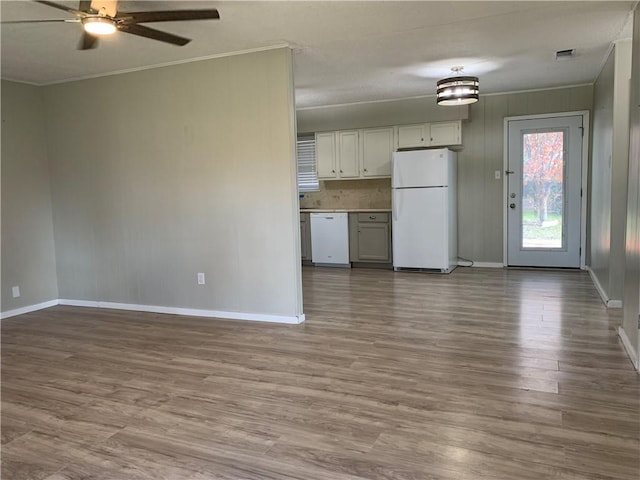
424	210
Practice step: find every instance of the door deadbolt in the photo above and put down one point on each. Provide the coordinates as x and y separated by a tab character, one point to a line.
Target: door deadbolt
512	205
513	195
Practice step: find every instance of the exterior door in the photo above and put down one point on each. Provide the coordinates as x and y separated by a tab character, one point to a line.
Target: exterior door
544	190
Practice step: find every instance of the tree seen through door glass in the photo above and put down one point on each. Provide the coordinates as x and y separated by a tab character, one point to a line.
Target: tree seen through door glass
542	190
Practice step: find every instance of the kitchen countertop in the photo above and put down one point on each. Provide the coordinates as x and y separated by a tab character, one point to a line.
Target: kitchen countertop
344	210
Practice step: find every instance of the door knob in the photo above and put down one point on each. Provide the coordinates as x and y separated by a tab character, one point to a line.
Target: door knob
512	205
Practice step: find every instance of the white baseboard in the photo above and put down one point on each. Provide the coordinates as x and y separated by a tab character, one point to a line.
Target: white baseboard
28	309
603	295
79	303
633	355
488	265
255	317
463	263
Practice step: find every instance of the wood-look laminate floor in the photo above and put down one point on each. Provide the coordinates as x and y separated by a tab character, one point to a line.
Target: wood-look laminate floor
481	374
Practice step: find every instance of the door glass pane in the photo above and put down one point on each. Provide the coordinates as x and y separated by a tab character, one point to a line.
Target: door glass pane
543	190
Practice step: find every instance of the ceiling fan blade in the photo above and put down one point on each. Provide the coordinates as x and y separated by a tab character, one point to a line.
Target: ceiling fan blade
57	20
153	34
87	42
75	12
168	16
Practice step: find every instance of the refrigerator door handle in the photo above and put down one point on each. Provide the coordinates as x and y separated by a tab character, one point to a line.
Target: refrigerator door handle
396	177
395	207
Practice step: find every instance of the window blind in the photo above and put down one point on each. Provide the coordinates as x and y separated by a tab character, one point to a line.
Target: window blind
307	173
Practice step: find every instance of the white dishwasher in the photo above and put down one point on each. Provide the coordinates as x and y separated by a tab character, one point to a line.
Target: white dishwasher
330	239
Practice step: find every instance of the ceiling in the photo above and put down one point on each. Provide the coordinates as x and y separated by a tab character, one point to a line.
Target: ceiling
345	52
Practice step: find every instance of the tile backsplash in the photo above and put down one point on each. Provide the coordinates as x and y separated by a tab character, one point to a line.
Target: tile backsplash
374	193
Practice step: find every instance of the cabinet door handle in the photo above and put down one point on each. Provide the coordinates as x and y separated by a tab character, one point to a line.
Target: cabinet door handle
372	217
365	169
333	171
340	171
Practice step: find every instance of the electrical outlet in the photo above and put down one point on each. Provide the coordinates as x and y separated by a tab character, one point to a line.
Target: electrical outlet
200	278
15	291
497	174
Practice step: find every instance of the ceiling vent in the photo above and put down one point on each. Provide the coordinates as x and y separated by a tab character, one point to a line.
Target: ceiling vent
566	54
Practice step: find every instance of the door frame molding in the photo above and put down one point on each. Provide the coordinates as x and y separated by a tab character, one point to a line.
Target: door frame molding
585	175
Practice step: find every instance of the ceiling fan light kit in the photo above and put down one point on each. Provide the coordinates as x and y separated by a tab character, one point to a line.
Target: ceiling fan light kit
98	25
459	90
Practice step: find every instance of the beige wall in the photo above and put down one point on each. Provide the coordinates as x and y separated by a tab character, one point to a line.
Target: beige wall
609	171
600	214
480	203
620	165
631	297
28	259
160	174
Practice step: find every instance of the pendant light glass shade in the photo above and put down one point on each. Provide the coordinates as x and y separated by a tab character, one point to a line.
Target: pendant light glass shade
458	91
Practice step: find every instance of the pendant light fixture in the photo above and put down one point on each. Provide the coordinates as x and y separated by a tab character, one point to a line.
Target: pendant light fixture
458	90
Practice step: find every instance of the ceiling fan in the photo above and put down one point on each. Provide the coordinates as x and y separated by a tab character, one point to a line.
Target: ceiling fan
101	17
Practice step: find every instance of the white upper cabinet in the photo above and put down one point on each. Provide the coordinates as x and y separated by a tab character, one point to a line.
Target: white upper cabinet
348	156
410	136
326	155
377	150
367	153
338	154
438	134
445	133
